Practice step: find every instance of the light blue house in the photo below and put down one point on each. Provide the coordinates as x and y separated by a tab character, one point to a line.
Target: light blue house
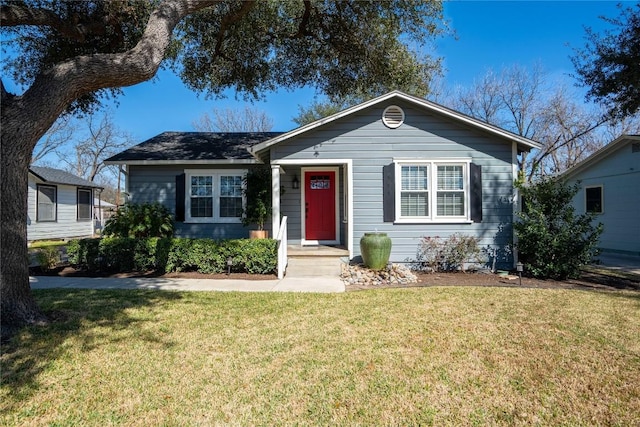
395	164
609	183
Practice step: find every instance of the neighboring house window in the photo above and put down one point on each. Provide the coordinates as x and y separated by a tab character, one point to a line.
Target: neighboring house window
47	203
214	196
593	198
84	204
432	191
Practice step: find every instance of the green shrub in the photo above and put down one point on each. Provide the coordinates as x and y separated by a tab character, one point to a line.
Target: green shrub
206	256
48	257
258	256
554	242
84	253
117	254
151	254
210	256
257	192
140	221
448	254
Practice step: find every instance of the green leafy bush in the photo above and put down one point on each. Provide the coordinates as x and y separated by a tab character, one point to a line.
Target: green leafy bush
140	221
257	192
48	257
257	256
84	253
448	254
117	254
174	255
554	242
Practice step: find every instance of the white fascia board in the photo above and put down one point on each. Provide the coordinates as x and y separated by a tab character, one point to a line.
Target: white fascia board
530	144
266	144
312	162
599	155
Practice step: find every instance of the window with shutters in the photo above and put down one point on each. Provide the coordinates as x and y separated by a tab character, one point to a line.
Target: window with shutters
214	196
432	191
47	203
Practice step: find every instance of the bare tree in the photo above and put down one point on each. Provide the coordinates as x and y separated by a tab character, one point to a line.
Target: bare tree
526	103
248	119
58	135
482	100
102	139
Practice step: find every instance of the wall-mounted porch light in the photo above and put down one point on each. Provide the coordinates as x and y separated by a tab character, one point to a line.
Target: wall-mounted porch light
295	184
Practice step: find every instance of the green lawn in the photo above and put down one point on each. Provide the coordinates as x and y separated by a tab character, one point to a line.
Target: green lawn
421	356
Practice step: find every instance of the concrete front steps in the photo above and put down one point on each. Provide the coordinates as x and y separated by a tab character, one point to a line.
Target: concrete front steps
315	261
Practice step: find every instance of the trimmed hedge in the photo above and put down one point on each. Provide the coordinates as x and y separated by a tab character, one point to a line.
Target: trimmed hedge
122	254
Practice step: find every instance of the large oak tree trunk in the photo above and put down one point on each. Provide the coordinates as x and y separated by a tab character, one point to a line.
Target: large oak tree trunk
17	304
27	117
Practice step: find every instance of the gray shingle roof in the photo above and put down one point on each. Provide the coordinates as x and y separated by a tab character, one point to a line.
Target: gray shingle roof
189	146
57	176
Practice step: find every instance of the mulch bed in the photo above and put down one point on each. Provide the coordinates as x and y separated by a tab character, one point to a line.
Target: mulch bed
588	280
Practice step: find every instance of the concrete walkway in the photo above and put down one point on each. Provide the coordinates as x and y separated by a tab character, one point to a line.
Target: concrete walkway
320	284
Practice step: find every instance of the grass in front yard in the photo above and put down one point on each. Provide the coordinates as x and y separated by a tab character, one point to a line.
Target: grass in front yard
422	356
48	244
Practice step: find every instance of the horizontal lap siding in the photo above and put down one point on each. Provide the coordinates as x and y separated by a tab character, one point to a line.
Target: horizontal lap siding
150	184
363	138
66	226
619	174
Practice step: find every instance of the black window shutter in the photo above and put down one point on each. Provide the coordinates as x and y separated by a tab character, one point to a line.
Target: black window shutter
180	183
388	193
476	192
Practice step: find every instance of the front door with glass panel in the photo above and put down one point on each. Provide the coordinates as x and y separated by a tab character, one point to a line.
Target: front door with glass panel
320	205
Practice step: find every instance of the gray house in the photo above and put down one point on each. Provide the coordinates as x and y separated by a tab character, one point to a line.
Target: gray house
60	205
395	164
609	183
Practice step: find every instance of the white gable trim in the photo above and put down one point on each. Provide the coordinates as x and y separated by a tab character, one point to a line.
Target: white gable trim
600	154
522	142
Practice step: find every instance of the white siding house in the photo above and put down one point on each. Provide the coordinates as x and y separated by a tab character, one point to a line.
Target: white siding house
60	205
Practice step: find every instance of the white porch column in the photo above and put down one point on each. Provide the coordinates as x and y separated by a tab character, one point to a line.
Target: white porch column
275	200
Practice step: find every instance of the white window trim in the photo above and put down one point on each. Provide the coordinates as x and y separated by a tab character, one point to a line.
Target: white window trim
215	174
433	179
601	187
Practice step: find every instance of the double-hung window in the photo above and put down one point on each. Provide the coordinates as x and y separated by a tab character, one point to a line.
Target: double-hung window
432	191
47	204
84	204
214	196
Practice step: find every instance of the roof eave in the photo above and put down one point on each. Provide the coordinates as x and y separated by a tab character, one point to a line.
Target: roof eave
48	181
598	155
181	162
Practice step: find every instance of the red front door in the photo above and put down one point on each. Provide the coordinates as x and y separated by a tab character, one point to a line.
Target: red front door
320	205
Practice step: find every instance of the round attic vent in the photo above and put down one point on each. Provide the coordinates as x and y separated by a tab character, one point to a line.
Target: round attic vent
393	116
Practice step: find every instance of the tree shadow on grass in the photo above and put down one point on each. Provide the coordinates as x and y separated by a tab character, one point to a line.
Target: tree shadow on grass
73	313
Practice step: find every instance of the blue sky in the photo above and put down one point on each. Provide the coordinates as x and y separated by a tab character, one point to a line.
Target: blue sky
490	34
